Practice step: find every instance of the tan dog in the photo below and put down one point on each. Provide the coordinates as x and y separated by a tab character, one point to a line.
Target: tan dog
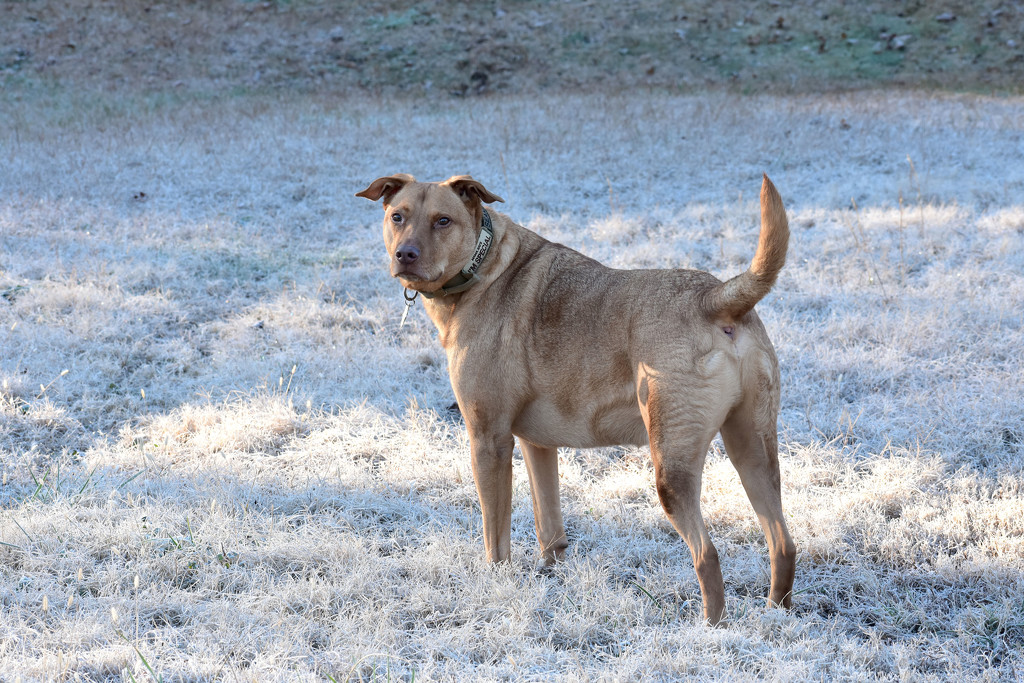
550	346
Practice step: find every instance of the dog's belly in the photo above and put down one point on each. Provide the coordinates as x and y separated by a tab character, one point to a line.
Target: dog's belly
610	424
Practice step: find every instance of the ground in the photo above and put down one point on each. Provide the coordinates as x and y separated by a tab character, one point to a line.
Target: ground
222	458
439	48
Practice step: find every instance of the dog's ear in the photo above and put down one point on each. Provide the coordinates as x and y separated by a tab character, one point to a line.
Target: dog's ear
471	191
386	187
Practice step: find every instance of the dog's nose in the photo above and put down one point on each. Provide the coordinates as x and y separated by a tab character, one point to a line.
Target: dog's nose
407	253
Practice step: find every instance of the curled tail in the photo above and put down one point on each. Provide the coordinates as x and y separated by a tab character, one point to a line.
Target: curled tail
734	298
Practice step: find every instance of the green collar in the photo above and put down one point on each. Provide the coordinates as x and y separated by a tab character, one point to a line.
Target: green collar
467	277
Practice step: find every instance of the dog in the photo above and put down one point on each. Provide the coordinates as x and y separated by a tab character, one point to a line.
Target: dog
552	347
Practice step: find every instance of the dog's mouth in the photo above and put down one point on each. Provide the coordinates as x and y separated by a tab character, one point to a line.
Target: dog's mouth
413	278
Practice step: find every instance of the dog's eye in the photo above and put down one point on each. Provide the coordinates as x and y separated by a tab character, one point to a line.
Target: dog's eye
396	217
443	222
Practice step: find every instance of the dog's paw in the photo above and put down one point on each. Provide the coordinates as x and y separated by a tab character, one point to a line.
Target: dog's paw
546	567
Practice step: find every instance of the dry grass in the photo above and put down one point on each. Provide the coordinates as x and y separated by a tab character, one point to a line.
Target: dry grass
248	470
435	48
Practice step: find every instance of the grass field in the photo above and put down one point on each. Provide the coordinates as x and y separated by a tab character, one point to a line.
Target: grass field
221	458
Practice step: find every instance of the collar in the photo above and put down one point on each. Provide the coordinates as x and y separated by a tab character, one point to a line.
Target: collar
467	277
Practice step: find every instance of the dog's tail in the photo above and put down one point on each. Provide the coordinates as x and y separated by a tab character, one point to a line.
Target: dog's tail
734	298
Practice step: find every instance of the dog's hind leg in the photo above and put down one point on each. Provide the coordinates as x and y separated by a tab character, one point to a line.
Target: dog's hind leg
542	466
679	436
679	491
678	478
753	449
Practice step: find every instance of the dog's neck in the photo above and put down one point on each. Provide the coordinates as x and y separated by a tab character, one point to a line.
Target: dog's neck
467	277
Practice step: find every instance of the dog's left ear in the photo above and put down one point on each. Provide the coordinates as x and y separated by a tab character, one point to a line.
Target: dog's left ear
471	191
386	187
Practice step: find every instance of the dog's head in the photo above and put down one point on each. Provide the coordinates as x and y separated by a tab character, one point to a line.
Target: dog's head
430	229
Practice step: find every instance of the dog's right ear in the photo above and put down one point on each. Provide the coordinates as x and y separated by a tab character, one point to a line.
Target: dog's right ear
386	187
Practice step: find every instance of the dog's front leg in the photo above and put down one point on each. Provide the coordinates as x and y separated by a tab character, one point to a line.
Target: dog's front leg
492	472
542	466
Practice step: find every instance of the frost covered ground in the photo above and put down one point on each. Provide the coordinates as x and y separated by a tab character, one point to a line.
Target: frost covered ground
222	458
